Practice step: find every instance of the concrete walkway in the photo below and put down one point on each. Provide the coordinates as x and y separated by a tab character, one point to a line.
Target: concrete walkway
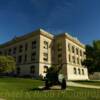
74	84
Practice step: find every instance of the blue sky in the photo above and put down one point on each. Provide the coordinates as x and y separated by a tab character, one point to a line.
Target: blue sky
80	18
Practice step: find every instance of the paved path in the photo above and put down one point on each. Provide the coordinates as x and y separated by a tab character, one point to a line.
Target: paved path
82	85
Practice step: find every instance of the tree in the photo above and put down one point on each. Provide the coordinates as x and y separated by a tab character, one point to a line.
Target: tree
93	57
52	77
7	64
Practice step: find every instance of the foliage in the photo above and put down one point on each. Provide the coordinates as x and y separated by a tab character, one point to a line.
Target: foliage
7	64
93	57
52	73
52	77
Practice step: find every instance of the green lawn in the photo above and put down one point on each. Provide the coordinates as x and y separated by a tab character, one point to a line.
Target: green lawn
96	83
26	89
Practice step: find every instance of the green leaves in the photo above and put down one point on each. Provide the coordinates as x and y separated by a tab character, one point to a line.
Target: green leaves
7	64
93	57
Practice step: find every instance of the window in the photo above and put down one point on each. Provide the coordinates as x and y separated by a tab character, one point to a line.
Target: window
59	55
14	50
84	53
59	46
81	61
34	44
73	57
45	54
73	49
32	69
20	48
75	71
80	52
33	56
45	44
0	52
79	72
77	51
69	58
45	58
19	59
82	71
26	46
45	69
68	47
77	60
25	59
9	52
59	49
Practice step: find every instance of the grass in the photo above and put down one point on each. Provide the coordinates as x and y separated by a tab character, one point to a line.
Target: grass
26	89
95	83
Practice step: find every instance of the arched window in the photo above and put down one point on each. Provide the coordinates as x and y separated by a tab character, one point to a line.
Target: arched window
79	72
32	69
75	71
82	71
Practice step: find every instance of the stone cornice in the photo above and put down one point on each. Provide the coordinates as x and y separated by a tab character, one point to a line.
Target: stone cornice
73	39
27	36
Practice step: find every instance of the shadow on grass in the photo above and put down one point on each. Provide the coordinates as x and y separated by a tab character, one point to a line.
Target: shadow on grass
43	89
50	89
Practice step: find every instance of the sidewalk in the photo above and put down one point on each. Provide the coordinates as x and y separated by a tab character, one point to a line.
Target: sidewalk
82	85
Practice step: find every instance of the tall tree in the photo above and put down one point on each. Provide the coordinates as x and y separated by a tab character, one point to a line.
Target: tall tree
93	57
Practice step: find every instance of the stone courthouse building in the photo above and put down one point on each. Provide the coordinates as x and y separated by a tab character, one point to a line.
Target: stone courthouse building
38	50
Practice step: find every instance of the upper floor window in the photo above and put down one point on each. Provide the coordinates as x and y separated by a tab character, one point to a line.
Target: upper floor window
80	52
59	55
45	58
73	49
77	52
26	46
73	57
20	48
84	53
69	58
45	44
34	44
9	51
45	54
33	56
14	50
68	47
20	59
25	58
0	52
78	61
59	46
59	49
